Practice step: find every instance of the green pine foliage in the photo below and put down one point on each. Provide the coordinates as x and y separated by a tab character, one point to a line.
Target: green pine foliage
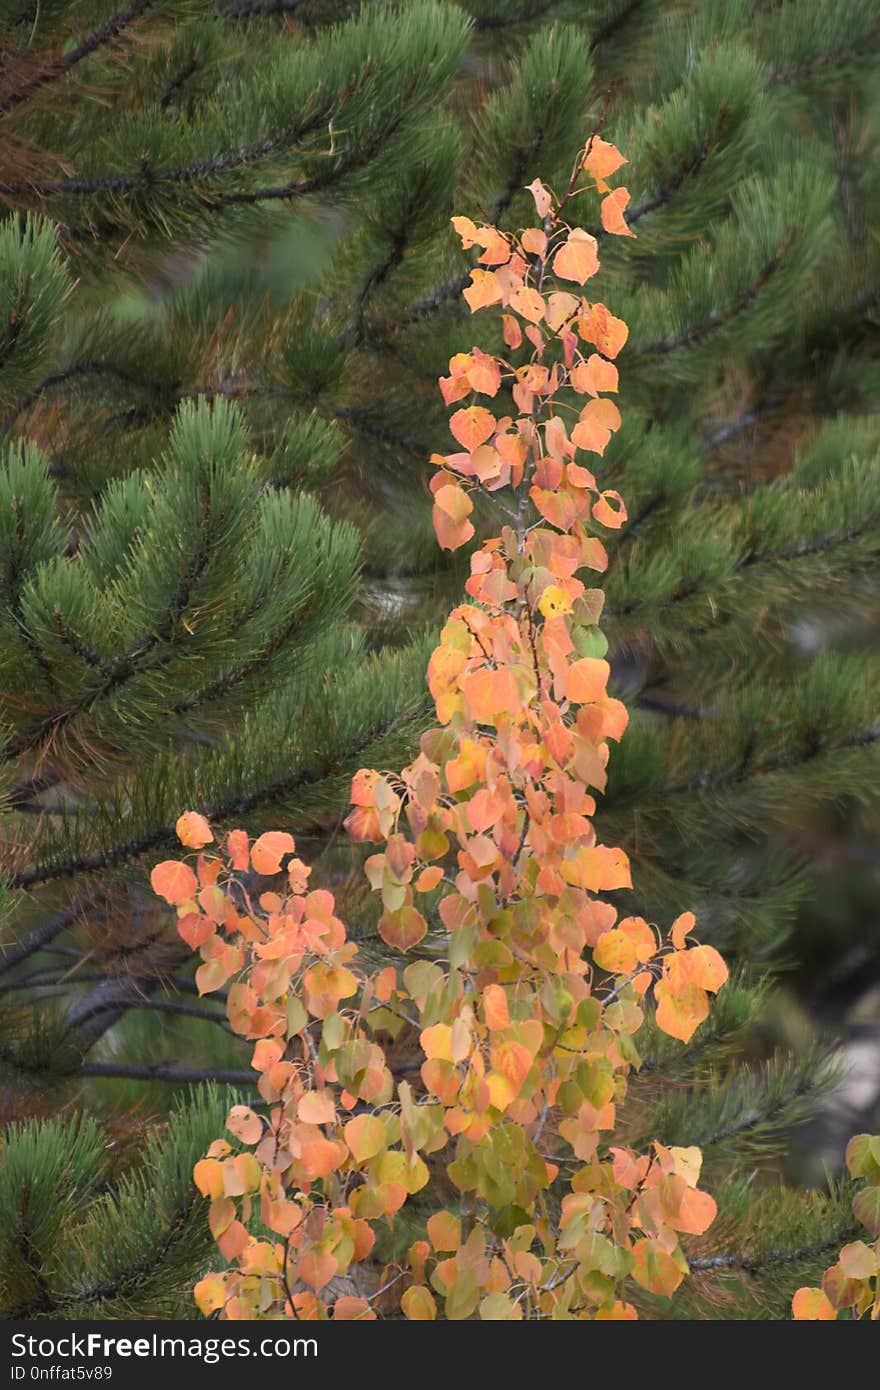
85	1235
229	286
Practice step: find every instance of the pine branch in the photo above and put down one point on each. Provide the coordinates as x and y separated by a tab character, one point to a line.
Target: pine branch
533	9
614	24
147	178
99	38
798	71
698	332
12	956
162	1071
757	1264
248	9
783	762
136	847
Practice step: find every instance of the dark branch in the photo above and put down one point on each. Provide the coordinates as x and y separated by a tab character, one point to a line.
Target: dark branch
161	1071
97	39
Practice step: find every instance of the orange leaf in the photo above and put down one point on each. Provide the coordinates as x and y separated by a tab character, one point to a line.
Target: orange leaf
467	231
811	1305
484	289
611	211
269	850
244	1124
858	1260
641	935
490	693
591	435
603	411
210	1294
316	1108
497	246
316	1267
577	259
437	1042
594	375
452	506
528	303
444	1231
428	879
680	1014
350	1308
208	1177
512	332
618	1312
174	881
534	241
402	929
601	158
237	846
697	1212
587	679
193	830
615	952
472	426
605	514
706	968
495	1009
512	1061
600	327
680	928
196	929
558	509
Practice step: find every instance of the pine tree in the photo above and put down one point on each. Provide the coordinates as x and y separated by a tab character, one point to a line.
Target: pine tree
174	594
747	458
100	1222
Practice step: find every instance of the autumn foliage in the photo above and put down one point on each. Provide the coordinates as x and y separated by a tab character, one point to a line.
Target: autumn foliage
851	1286
526	993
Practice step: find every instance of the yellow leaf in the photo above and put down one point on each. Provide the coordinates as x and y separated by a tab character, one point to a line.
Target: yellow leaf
210	1294
418	1304
365	1137
811	1305
437	1042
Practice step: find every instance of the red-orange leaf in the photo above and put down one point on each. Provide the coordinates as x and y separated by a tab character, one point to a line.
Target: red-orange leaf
472	426
268	851
600	327
174	881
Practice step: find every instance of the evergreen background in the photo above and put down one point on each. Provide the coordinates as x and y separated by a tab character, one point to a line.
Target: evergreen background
228	286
